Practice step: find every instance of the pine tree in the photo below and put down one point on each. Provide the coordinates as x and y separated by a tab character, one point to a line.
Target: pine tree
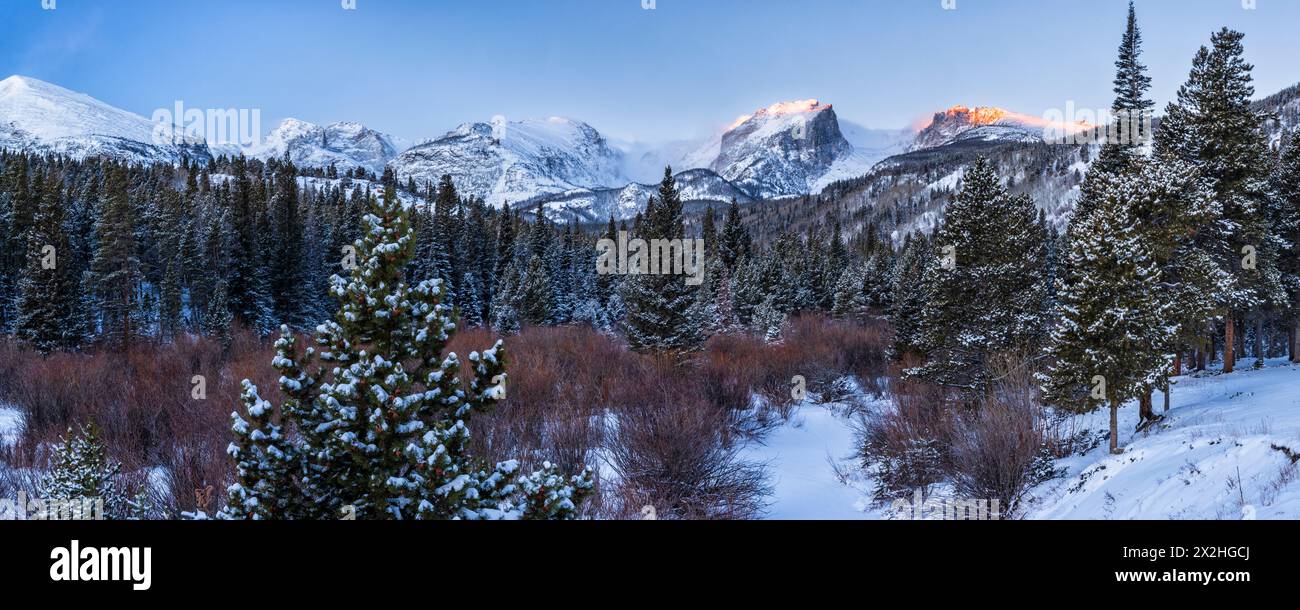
218	318
1213	126
171	303
250	297
83	473
1108	346
1286	225
735	238
16	215
49	304
659	306
383	423
116	266
534	297
909	294
1131	107
989	296
265	463
285	262
850	296
769	320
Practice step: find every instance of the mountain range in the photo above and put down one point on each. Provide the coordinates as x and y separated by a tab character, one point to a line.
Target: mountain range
785	150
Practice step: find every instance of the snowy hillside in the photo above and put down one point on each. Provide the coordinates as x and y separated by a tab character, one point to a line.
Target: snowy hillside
515	161
36	116
1213	457
346	145
1217	455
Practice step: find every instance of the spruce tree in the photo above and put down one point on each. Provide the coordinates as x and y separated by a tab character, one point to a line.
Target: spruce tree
16	215
1109	344
1131	107
285	261
534	299
1213	126
659	306
986	284
909	294
116	266
735	240
1286	225
383	423
49	307
850	296
218	318
82	473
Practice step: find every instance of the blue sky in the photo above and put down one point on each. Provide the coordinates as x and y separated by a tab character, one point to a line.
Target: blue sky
416	68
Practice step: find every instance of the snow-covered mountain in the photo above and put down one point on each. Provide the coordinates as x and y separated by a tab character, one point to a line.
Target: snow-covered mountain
780	150
989	124
38	117
517	160
697	186
346	145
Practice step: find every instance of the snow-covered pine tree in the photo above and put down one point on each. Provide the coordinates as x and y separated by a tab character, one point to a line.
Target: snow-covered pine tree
735	239
285	262
171	300
1286	225
265	463
989	297
1109	344
1213	126
850	296
383	423
659	306
1131	104
16	211
607	284
217	319
50	315
116	266
82	472
248	291
534	298
909	294
769	320
1168	205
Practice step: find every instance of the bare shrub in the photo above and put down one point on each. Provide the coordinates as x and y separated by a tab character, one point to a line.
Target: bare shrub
673	457
906	442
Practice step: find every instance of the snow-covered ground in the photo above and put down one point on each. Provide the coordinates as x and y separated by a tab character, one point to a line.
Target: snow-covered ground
1211	458
805	457
11	420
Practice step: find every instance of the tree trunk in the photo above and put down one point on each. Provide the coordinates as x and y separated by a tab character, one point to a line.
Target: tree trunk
1145	411
1295	340
1229	343
1259	341
1178	365
1168	388
1114	427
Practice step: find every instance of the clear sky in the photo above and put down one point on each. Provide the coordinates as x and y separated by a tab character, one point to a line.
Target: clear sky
416	68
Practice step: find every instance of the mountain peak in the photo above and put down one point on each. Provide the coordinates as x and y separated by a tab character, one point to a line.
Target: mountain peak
989	123
780	109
